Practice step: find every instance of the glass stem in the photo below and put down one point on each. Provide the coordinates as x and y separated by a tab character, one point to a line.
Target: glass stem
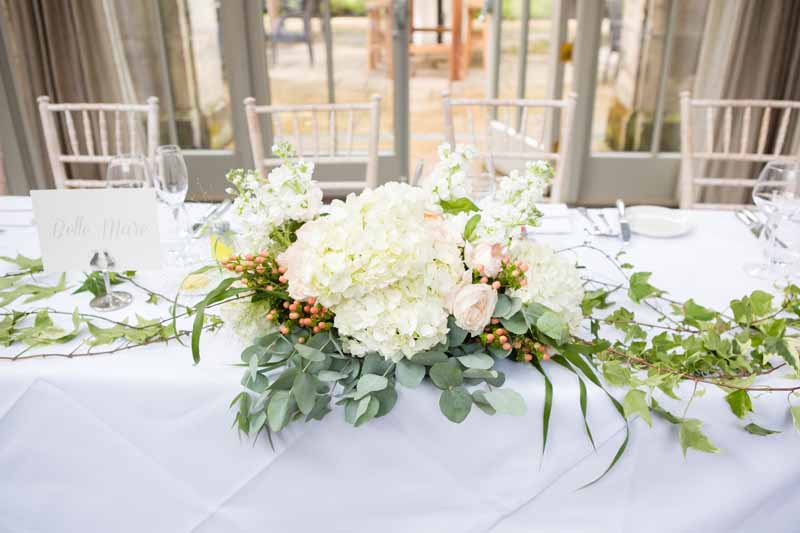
107	283
772	227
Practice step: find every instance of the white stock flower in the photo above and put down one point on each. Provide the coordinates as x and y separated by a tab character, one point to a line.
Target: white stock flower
246	319
552	280
288	193
448	180
514	203
382	266
472	305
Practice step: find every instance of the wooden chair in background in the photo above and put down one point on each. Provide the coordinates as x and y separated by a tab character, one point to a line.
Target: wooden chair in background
124	138
325	145
746	146
506	136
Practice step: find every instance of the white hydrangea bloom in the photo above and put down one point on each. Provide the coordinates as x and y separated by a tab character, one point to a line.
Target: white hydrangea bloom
552	281
288	193
376	260
514	203
245	319
449	179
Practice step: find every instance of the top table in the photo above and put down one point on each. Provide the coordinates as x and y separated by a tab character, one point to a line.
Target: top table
142	440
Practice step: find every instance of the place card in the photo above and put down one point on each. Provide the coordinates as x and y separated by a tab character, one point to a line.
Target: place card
73	225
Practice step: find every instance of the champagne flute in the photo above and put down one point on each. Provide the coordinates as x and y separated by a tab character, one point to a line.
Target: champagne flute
172	184
777	195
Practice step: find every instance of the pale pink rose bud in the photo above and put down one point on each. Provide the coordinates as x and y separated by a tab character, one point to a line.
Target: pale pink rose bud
484	257
472	306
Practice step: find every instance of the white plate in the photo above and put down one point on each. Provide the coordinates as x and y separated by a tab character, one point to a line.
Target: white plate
655	221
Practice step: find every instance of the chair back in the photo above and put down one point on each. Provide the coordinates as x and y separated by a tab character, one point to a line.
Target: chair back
334	137
118	127
512	131
743	136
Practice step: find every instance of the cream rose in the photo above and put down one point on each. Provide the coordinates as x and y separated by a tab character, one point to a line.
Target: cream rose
484	257
472	306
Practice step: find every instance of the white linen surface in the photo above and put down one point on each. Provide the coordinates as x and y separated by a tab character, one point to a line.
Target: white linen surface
141	440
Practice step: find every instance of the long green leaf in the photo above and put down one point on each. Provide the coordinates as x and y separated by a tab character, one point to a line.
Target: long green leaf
583	397
548	403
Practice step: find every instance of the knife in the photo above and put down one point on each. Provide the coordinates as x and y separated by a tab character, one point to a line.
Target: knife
624	225
754	227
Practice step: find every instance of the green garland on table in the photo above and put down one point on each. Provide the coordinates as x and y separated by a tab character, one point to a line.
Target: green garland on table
100	336
297	371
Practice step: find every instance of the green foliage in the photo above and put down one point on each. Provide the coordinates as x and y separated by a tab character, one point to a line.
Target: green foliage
31	292
94	284
469	227
755	429
459	205
26	265
691	435
640	287
739	402
635	403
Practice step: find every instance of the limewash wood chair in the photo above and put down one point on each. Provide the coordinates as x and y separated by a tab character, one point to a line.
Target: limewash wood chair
327	145
703	140
513	131
118	126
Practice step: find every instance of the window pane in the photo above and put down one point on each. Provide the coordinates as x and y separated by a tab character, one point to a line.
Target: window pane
687	40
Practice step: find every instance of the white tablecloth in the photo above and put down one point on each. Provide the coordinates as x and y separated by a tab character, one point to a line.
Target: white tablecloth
142	440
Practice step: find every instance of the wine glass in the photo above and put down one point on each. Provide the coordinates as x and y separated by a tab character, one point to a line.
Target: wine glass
128	171
172	183
777	195
481	186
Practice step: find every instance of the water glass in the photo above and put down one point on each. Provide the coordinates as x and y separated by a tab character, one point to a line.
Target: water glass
128	171
171	181
777	195
481	186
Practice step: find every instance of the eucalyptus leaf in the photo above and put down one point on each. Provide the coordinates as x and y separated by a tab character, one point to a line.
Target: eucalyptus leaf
479	361
370	383
429	358
279	409
446	376
455	404
409	374
311	354
479	399
304	391
506	401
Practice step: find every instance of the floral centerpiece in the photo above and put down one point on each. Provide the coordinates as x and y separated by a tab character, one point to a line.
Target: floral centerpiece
339	306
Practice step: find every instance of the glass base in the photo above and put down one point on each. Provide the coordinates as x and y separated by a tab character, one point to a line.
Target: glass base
111	301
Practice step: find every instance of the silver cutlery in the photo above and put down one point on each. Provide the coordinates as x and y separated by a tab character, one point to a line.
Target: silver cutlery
593	228
624	225
602	217
418	172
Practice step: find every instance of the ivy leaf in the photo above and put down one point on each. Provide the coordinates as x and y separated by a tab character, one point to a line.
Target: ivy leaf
33	292
691	436
459	205
663	413
446	376
470	226
455	404
409	374
755	429
33	265
697	312
635	403
640	287
761	303
739	402
95	284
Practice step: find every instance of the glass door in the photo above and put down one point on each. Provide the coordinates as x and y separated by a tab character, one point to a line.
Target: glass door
635	57
323	51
